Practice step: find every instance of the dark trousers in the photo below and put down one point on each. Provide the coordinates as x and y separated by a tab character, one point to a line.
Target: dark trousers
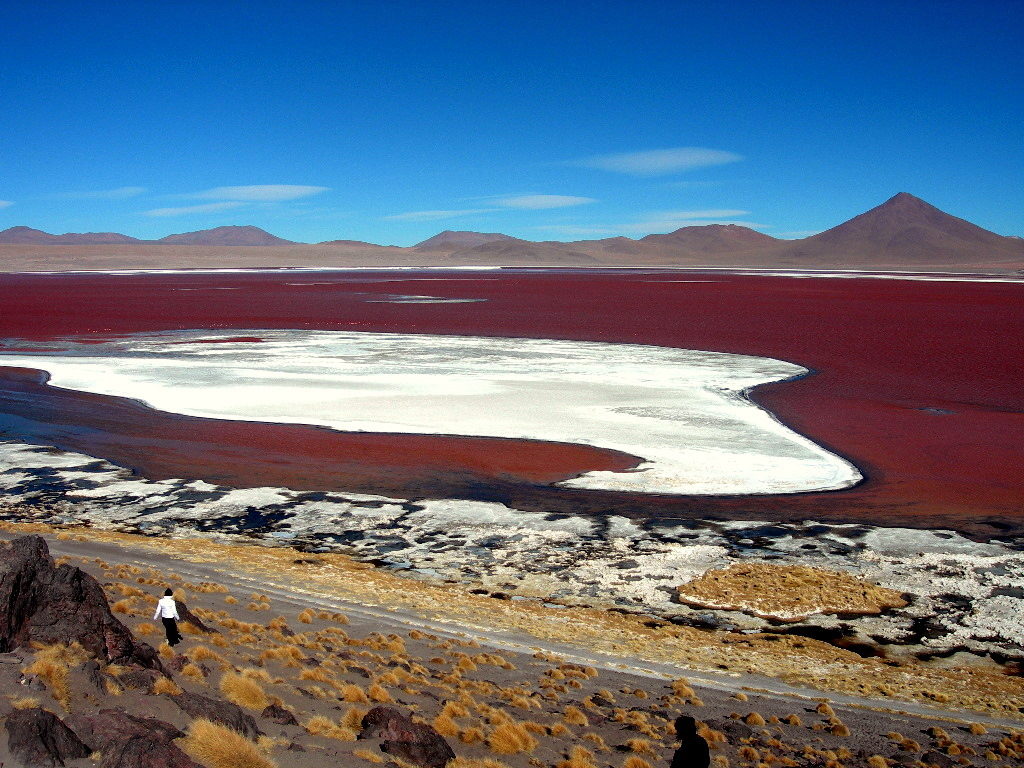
171	626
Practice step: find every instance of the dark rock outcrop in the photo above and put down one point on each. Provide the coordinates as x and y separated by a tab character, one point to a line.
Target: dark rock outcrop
139	678
48	603
279	715
38	737
109	726
223	712
143	752
417	743
129	741
184	614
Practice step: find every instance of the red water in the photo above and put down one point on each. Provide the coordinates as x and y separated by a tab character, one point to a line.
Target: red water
918	383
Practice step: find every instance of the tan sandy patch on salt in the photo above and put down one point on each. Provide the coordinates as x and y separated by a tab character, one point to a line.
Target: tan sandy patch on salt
787	592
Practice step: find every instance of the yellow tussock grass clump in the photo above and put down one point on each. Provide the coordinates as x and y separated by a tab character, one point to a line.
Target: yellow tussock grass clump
579	757
471	736
231	600
792	720
324	726
52	665
511	739
978	729
877	761
379	694
307	616
825	709
754	719
574	716
243	691
166	651
202	653
123	606
641	746
353	718
365	754
166	685
635	762
194	671
145	628
353	694
218	747
316	674
445	725
25	702
840	730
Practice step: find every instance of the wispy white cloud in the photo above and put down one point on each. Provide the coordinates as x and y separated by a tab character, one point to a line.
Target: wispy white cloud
436	215
539	202
659	162
259	192
713	213
184	210
5	203
118	193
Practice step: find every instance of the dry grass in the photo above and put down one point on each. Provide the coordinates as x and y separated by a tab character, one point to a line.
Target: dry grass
166	685
193	671
146	628
218	747
365	754
52	665
353	694
324	726
25	702
787	592
635	762
574	716
511	739
579	757
243	691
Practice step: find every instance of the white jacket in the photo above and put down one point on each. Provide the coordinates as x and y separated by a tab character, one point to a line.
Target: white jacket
166	608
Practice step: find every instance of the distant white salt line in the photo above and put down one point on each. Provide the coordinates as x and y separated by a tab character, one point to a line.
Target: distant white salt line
809	273
684	412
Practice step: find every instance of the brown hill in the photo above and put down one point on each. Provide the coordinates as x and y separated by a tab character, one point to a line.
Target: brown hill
453	240
243	236
903	231
29	236
711	238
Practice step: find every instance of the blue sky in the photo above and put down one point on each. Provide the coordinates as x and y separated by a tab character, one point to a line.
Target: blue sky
390	121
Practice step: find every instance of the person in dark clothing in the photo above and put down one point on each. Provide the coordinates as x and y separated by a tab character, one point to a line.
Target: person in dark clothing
167	612
693	751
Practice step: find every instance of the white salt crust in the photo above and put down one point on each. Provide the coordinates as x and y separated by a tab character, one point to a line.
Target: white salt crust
685	413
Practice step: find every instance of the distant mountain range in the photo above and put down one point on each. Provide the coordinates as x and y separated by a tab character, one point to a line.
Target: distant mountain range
234	236
903	232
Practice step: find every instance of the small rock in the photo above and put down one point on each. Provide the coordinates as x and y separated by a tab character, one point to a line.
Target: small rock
416	743
223	712
279	715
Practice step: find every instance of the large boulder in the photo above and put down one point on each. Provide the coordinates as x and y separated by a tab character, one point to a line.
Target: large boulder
416	743
48	603
109	726
37	737
223	712
130	741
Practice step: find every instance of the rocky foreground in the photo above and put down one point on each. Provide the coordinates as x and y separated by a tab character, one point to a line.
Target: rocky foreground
261	681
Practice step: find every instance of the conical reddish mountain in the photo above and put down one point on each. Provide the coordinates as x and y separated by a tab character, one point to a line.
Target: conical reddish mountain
453	240
226	236
904	231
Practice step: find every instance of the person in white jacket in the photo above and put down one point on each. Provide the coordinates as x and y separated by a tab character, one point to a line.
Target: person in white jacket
167	612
